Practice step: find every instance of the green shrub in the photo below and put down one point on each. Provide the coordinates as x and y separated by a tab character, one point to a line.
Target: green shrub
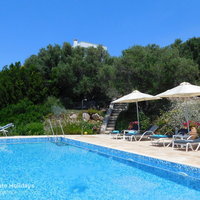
76	128
27	116
144	121
79	127
123	120
73	127
34	128
175	116
126	117
23	112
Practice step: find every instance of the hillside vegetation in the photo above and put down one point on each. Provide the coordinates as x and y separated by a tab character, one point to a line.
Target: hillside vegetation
71	74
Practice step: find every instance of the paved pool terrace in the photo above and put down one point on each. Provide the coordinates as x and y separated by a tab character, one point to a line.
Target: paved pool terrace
191	158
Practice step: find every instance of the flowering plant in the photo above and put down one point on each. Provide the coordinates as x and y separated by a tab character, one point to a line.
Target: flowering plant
135	122
95	129
192	124
133	125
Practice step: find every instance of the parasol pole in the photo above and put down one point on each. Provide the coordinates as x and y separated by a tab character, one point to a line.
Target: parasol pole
186	116
138	116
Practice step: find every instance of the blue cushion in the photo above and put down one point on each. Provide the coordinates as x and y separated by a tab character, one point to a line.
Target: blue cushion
115	131
160	136
131	132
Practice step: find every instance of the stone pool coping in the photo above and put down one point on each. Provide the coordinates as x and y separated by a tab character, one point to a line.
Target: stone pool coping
191	158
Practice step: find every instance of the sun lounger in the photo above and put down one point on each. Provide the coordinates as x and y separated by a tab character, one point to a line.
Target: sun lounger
141	135
163	140
116	134
3	128
169	137
129	134
187	144
198	147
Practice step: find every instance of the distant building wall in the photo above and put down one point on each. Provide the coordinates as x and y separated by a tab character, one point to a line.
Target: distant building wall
86	45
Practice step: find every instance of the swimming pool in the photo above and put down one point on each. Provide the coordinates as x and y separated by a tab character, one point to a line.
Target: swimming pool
47	170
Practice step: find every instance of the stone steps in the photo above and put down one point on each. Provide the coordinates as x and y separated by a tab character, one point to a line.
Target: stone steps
117	109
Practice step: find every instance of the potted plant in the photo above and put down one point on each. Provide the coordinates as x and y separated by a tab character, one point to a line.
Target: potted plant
194	129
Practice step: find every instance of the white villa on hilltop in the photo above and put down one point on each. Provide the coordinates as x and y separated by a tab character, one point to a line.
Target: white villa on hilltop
86	45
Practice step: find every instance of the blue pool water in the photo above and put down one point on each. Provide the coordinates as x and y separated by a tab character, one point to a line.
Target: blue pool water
46	171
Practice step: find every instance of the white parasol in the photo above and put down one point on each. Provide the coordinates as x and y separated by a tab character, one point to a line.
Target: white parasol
136	96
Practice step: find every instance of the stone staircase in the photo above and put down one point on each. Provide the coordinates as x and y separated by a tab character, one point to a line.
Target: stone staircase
111	116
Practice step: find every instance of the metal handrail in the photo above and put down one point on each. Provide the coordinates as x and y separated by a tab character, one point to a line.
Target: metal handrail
61	127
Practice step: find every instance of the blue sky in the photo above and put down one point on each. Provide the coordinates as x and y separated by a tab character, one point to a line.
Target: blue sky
28	25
